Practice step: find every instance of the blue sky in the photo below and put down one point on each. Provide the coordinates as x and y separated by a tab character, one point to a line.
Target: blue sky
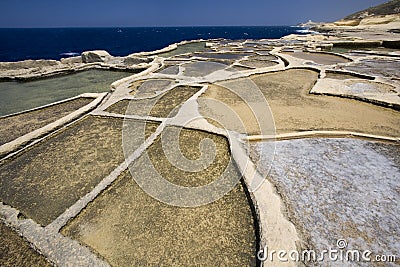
132	13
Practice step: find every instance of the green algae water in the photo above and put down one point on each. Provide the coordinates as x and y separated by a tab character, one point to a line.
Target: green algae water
185	48
18	96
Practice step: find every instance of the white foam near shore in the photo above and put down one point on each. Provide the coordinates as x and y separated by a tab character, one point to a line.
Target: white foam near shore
307	31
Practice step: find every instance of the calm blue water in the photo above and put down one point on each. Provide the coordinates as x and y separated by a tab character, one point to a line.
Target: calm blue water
55	43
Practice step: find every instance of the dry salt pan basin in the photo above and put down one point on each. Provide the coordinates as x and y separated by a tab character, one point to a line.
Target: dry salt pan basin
294	109
319	58
339	189
20	124
128	227
164	105
15	251
377	67
45	180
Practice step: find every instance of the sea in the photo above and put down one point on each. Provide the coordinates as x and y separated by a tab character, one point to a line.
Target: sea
56	43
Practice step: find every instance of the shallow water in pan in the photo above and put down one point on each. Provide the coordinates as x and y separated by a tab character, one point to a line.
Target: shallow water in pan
19	96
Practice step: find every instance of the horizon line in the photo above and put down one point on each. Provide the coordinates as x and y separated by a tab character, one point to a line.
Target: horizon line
112	27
